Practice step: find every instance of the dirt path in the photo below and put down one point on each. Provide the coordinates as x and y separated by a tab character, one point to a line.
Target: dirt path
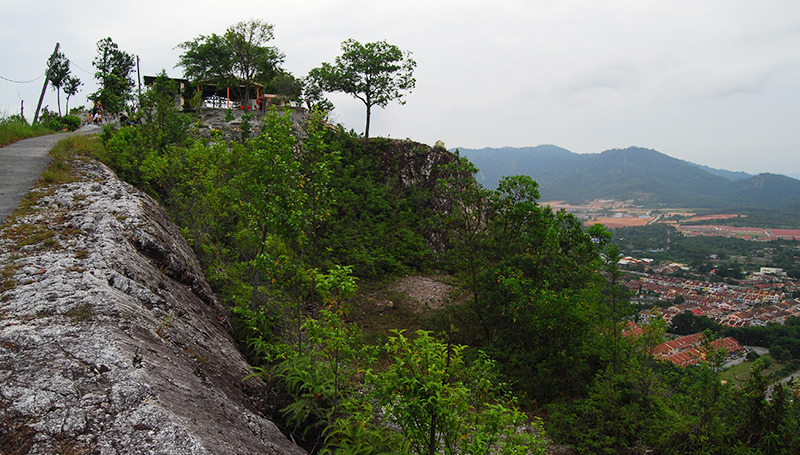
21	165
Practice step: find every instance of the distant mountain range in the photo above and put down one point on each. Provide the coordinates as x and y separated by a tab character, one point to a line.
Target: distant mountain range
647	176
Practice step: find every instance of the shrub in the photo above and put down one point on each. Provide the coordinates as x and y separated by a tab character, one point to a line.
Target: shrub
71	122
55	122
15	127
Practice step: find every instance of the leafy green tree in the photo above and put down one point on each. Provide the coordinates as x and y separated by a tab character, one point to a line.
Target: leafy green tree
618	308
158	108
71	86
322	377
278	196
265	197
148	154
59	76
443	404
114	68
374	73
770	415
286	86
687	323
541	296
464	223
240	56
314	95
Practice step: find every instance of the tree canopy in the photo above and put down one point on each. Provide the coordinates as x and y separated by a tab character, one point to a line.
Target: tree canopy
60	77
241	56
114	68
374	73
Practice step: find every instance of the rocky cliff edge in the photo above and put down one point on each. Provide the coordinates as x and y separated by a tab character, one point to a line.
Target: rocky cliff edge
111	341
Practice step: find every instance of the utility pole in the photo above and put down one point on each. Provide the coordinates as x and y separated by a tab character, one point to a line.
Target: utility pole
46	80
139	77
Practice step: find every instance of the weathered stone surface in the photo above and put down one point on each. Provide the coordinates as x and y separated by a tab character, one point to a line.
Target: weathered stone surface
111	341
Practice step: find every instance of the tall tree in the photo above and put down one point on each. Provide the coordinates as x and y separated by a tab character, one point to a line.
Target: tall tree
71	87
464	223
539	296
240	57
114	68
163	124
374	73
59	75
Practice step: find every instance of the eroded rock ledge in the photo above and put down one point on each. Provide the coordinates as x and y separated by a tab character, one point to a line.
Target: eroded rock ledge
111	341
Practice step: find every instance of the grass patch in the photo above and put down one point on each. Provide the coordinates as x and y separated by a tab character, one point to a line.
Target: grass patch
66	151
738	374
63	154
378	310
30	234
82	313
15	128
7	284
29	201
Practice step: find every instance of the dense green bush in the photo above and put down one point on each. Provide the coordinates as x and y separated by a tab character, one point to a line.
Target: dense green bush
15	127
56	122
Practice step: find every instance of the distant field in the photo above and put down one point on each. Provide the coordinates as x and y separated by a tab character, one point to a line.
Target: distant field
714	217
612	222
738	374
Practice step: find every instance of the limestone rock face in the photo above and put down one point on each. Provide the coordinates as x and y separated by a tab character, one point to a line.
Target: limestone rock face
111	341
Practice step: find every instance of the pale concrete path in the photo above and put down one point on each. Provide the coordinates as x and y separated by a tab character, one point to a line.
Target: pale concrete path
22	163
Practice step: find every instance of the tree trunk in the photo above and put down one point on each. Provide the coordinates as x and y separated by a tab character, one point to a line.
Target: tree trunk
366	129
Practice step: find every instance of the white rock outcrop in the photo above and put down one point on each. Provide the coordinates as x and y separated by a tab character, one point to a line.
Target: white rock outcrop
111	341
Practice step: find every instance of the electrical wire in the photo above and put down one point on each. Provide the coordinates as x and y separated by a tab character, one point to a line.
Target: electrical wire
22	82
76	66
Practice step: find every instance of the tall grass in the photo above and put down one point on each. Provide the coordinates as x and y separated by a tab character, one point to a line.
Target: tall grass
67	150
15	127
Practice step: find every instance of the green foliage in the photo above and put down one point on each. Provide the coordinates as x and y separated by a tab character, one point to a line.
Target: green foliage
374	73
541	296
162	124
465	223
377	225
770	418
237	59
314	96
58	75
15	127
114	68
56	122
246	126
286	86
325	373
687	323
442	404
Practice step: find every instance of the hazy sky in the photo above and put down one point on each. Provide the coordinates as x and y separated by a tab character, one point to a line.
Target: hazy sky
716	82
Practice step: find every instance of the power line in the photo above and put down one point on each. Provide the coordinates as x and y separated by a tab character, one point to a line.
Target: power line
22	82
76	66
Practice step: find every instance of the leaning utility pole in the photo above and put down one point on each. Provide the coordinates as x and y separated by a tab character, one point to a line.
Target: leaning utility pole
46	79
139	77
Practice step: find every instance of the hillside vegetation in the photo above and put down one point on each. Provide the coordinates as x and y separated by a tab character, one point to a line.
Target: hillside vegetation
646	176
292	222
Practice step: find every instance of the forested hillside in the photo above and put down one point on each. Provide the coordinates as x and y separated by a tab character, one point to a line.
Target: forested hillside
647	176
292	222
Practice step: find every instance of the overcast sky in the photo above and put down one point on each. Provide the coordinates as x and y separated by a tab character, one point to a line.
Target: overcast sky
715	82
